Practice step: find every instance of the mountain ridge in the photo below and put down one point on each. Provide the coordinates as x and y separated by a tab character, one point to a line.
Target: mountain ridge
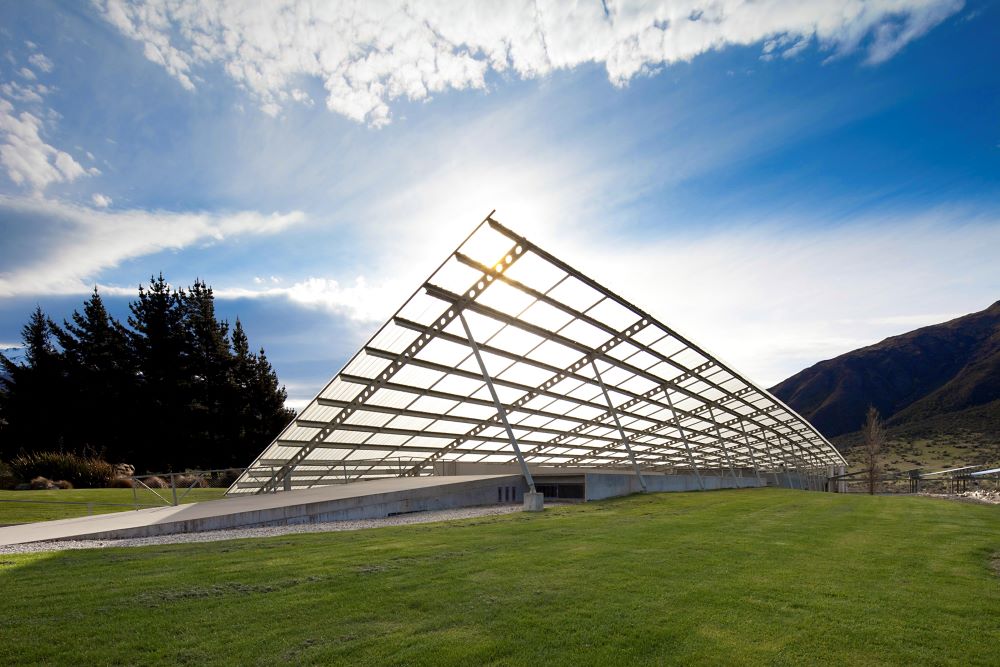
941	368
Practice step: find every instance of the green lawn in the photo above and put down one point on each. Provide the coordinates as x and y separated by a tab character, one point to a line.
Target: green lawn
729	577
25	512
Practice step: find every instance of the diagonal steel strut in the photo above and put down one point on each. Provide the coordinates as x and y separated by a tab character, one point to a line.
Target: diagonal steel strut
497	403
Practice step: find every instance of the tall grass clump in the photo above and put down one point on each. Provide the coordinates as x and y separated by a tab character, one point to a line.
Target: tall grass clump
84	472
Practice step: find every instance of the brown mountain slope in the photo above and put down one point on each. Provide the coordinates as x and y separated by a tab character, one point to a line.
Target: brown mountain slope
943	368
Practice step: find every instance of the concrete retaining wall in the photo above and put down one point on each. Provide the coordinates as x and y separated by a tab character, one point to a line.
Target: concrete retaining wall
609	485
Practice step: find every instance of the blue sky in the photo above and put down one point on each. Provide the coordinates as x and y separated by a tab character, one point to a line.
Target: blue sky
780	181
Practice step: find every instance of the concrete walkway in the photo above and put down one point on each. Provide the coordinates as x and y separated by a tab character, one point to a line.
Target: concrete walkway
340	502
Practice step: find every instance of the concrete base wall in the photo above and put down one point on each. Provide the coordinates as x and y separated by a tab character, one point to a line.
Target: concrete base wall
466	494
374	499
609	485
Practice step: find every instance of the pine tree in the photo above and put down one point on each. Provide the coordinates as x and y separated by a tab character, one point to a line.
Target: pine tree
31	392
100	377
209	361
163	380
185	392
257	403
267	400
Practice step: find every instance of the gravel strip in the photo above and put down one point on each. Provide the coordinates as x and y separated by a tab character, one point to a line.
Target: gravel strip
238	533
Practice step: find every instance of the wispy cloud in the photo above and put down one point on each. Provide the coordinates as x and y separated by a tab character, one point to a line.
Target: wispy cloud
367	54
77	243
358	301
41	61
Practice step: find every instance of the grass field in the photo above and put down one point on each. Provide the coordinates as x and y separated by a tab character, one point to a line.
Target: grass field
26	512
730	577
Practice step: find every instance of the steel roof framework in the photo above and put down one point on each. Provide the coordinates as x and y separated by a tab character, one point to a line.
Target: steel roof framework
583	377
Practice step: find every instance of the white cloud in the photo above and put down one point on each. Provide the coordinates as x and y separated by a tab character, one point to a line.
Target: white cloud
26	157
891	36
87	241
15	91
367	54
359	301
40	61
101	201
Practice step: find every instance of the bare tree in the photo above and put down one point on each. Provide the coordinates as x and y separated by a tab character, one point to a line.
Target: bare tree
874	438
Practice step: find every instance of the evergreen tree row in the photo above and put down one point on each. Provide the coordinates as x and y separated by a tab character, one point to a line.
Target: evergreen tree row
173	389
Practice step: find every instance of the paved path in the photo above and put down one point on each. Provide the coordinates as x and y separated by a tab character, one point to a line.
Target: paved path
239	533
249	510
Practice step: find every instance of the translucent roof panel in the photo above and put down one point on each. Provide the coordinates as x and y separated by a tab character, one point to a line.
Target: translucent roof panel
586	379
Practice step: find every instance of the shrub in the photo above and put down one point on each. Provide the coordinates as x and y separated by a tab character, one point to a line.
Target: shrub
7	479
185	481
42	484
120	483
227	477
124	470
85	472
155	483
63	484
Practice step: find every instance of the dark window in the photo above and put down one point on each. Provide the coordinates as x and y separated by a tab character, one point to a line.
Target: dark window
561	491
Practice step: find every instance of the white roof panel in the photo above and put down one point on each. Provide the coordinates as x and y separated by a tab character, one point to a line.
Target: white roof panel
414	393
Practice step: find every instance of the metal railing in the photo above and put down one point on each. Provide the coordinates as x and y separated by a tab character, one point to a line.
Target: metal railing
185	481
179	485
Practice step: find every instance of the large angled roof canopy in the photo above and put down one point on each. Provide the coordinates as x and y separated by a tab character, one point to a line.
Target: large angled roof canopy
584	378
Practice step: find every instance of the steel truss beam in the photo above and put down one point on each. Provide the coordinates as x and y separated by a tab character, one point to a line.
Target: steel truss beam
646	316
502	317
398	362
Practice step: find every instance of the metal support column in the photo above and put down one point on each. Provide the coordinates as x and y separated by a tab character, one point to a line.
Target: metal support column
687	447
818	471
621	431
722	443
796	459
786	464
753	459
774	465
805	462
497	403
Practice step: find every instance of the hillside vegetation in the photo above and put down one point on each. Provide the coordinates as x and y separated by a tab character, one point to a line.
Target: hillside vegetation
766	576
